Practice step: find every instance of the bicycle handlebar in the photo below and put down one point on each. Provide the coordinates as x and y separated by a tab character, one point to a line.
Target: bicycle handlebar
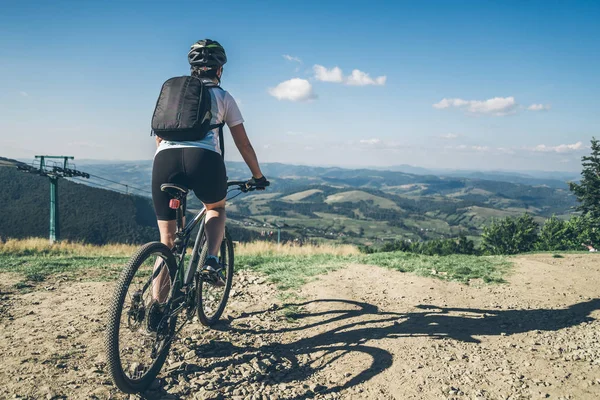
245	186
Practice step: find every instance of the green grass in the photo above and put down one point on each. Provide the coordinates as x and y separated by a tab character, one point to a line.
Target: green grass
38	268
287	272
291	272
462	268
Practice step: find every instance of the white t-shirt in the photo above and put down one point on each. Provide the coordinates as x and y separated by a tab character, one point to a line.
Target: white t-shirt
224	109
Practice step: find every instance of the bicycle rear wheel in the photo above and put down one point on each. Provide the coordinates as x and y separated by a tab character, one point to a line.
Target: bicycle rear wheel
213	299
134	354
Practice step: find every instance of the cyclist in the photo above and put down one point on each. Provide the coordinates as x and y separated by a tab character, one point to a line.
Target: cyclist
199	165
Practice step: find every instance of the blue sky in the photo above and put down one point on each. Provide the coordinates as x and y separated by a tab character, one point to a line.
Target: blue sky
447	84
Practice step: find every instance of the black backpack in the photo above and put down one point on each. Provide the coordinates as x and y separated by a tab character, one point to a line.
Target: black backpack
183	110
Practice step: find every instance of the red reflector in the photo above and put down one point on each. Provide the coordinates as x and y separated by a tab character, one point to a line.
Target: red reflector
174	204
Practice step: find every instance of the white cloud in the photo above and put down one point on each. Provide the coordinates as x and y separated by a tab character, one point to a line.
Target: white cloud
446	103
24	94
295	89
561	148
498	106
292	58
542	148
480	148
506	150
539	107
464	147
328	75
376	144
449	136
360	78
370	141
356	78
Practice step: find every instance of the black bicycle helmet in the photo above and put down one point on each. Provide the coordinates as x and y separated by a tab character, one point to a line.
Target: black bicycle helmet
207	53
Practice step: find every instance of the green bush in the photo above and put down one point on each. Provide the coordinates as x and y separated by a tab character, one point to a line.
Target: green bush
445	247
569	235
584	230
556	234
397	245
438	247
510	235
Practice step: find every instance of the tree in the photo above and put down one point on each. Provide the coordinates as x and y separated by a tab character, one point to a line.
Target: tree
583	230
465	246
588	190
510	235
556	235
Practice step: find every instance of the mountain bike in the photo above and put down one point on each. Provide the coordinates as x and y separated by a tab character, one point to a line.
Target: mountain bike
134	353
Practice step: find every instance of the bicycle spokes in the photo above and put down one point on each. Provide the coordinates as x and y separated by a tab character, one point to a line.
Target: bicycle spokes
213	295
140	338
213	289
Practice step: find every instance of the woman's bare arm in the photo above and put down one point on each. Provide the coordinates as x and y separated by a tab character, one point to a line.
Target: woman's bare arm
240	138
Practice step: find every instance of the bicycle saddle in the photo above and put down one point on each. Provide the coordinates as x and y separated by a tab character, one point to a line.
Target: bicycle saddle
174	190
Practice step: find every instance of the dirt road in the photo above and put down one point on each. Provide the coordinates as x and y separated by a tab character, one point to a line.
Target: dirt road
359	333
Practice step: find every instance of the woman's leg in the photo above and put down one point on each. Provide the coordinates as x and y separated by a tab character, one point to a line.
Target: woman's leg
166	166
215	226
162	283
167	232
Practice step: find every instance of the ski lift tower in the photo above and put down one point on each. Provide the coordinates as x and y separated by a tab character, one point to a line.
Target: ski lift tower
54	215
53	173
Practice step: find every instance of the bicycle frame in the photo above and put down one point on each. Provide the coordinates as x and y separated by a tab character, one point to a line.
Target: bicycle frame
184	277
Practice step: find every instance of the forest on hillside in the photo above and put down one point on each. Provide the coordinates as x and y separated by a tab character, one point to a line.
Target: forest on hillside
86	214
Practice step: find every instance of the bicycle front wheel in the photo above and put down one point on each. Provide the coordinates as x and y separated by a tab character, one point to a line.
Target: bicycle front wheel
136	348
213	299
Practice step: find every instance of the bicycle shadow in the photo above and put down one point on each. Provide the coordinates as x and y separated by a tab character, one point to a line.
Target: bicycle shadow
364	322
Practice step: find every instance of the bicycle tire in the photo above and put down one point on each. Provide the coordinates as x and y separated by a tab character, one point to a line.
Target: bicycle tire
227	250
113	357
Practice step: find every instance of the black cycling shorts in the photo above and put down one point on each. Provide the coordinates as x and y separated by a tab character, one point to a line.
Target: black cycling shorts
200	170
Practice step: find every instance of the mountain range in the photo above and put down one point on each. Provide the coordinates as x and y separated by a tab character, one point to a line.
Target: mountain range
348	205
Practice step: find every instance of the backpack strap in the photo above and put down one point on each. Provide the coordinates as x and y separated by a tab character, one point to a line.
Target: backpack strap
221	141
221	125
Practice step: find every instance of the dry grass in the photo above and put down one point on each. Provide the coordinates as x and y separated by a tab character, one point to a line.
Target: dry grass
269	248
37	246
34	246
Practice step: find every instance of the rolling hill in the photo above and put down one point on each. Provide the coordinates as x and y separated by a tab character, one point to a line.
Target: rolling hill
355	206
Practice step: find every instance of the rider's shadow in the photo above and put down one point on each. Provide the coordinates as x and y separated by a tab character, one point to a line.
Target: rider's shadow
363	322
